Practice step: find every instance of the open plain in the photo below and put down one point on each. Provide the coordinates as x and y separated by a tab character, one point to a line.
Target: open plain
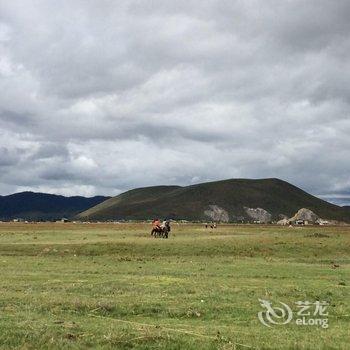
104	286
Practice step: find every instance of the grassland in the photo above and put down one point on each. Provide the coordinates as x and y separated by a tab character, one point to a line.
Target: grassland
108	286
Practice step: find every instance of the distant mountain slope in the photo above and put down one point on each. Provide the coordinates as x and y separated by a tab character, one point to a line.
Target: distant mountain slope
226	200
36	206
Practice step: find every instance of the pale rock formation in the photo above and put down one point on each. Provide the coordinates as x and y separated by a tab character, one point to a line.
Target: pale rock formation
217	213
283	222
306	215
258	214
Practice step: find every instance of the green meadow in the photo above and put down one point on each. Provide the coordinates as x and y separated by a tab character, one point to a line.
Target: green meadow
112	286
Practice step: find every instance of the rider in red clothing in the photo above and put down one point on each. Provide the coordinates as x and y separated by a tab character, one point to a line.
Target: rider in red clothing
156	224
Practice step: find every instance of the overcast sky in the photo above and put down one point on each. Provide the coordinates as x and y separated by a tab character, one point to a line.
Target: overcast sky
98	97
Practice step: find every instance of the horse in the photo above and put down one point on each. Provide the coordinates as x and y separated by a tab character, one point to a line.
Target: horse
162	231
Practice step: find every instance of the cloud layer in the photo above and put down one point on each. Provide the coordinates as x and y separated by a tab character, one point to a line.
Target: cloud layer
101	96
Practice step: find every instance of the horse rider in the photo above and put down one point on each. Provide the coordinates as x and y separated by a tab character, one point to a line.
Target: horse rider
156	224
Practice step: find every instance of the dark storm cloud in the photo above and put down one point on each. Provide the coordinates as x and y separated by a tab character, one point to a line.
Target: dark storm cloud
102	96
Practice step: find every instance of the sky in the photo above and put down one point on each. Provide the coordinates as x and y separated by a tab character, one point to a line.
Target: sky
98	97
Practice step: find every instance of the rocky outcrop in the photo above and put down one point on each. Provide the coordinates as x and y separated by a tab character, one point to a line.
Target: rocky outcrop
216	213
258	214
283	222
306	215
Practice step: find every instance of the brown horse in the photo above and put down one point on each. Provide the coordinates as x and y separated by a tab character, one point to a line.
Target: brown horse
162	232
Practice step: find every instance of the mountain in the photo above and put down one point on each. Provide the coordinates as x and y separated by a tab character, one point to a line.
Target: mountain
43	206
227	200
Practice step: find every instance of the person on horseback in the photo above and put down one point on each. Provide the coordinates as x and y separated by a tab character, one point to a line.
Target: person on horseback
156	224
156	227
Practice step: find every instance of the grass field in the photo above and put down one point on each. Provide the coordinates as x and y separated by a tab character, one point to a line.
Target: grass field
109	286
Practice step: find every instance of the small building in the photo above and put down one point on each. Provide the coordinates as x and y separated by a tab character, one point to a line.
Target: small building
322	222
301	222
18	220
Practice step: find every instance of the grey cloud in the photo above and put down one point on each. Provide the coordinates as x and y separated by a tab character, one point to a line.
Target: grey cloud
103	96
51	150
8	157
15	119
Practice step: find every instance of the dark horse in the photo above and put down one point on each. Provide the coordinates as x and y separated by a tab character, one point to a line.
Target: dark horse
162	232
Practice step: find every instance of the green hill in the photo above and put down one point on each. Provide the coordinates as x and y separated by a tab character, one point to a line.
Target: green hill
225	200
